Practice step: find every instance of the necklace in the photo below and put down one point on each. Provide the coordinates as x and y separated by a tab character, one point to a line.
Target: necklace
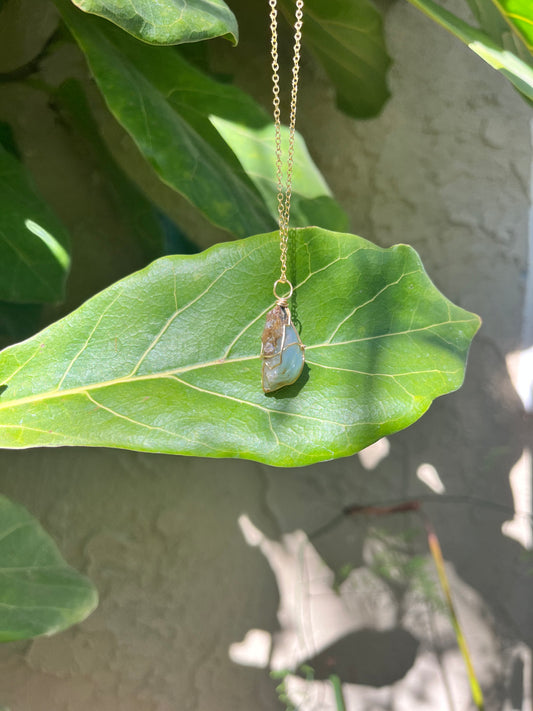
281	348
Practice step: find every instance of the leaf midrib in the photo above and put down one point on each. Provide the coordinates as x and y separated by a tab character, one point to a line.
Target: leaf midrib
81	390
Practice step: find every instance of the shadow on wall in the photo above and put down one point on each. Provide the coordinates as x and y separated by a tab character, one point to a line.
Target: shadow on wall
383	629
180	587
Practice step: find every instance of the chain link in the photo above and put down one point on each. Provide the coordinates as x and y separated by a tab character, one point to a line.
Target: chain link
285	190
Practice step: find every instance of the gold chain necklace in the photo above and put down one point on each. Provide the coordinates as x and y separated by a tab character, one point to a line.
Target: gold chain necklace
281	349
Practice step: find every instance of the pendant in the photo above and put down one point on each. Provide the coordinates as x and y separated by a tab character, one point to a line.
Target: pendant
282	350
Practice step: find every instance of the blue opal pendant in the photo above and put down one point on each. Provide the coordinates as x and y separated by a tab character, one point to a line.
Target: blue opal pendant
281	350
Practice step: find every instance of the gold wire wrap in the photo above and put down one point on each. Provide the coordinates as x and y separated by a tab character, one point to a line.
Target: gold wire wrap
285	190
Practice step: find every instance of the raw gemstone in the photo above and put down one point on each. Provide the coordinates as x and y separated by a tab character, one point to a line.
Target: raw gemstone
282	350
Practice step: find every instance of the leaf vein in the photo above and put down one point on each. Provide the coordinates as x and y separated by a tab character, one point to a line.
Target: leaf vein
256	405
179	311
370	301
86	344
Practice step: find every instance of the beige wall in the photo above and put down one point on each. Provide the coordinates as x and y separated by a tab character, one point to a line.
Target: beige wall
446	169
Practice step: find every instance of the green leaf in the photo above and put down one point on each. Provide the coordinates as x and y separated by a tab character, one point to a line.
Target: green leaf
519	15
7	140
499	28
347	36
167	360
39	593
489	19
33	244
172	111
136	211
519	73
168	21
311	203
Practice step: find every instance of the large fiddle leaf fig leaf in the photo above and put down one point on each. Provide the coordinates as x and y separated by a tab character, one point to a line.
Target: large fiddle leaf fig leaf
34	260
39	593
171	110
167	21
508	62
167	360
348	38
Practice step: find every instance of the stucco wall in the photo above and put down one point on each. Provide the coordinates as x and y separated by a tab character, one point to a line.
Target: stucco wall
446	169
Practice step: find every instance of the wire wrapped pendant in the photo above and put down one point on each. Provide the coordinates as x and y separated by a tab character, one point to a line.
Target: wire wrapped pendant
281	349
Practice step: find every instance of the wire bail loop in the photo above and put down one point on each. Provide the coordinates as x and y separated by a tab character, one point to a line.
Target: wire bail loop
282	300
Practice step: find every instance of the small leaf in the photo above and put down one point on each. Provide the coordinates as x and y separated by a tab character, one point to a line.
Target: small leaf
33	244
173	111
347	36
167	360
168	21
519	73
39	593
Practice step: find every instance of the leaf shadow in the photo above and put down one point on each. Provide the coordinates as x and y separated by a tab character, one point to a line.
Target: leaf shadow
353	657
3	388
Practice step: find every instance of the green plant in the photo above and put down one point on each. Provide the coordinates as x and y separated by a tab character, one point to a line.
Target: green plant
181	337
504	38
39	593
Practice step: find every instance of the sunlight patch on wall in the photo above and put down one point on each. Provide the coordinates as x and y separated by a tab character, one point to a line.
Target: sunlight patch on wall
253	651
371	456
349	628
519	529
520	369
429	476
520	363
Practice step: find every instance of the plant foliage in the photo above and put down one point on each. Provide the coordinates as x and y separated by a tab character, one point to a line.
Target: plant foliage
33	243
39	593
179	372
503	40
168	21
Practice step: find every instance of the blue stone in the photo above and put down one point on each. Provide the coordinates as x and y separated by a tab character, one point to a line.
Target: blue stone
282	350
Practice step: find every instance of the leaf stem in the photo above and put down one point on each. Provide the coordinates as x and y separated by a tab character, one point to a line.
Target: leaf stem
436	552
337	688
438	559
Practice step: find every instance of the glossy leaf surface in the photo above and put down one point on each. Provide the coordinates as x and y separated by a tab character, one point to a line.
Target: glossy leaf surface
39	593
507	62
34	260
167	360
167	21
171	109
347	36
